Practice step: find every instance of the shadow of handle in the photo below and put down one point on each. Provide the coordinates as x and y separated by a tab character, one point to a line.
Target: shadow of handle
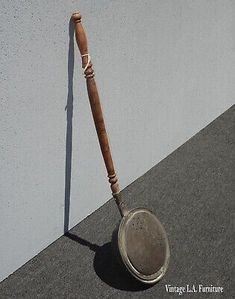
69	129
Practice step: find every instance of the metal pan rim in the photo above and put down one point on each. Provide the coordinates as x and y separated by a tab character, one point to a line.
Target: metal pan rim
148	279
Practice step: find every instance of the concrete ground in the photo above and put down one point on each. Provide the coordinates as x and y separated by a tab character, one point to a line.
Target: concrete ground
191	192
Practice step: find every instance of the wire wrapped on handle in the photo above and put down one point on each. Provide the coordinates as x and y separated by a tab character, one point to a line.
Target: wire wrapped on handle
88	61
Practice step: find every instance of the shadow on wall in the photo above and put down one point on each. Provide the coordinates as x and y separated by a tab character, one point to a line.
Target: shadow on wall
69	131
107	267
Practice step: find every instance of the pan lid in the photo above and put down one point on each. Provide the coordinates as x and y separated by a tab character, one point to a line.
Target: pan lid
143	245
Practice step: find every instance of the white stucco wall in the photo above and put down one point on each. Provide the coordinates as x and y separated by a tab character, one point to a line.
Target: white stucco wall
165	69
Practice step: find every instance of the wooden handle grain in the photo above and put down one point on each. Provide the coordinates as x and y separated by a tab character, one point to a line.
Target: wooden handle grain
95	102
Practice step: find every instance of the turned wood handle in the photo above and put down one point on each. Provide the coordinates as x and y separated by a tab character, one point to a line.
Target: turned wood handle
95	102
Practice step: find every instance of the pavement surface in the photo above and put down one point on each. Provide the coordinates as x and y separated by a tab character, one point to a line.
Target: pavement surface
191	192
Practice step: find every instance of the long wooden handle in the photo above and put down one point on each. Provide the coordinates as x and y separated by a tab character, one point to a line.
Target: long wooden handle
95	102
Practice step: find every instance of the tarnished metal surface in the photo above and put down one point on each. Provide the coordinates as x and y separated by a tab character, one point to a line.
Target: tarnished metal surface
143	245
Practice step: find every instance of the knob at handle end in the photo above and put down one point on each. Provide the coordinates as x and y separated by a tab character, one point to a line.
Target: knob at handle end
76	17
